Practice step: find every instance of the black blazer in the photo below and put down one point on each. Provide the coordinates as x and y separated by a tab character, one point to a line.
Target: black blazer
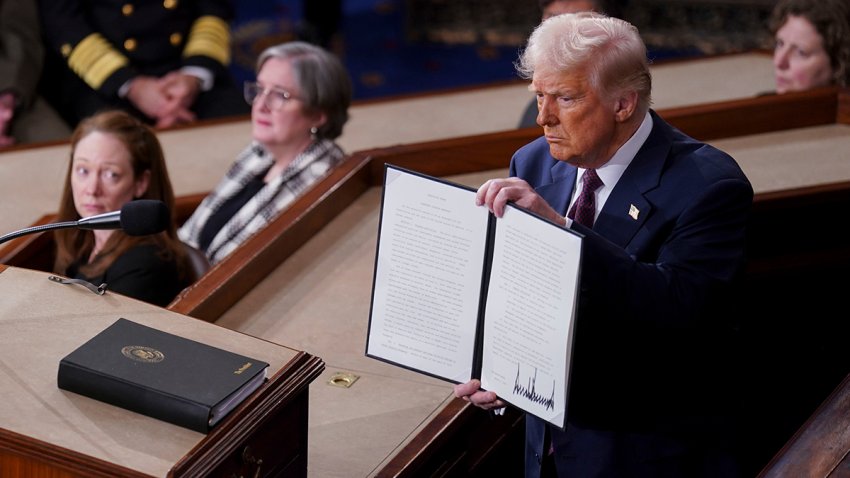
139	273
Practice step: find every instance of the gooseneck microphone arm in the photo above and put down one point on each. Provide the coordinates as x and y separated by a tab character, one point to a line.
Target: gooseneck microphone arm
137	218
37	229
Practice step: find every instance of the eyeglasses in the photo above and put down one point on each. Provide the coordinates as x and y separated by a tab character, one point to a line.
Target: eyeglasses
274	98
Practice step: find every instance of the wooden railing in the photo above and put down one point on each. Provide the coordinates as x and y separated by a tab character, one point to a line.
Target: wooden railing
821	448
231	278
776	256
468	154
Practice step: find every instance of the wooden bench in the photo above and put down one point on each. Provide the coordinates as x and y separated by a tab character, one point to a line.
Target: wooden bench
199	154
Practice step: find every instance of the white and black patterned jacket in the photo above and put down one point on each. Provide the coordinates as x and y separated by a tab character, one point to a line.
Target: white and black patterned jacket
307	168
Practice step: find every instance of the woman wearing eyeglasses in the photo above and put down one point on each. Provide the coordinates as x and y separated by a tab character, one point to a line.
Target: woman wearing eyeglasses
299	106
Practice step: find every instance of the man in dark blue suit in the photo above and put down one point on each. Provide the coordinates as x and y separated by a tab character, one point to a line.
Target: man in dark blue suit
663	218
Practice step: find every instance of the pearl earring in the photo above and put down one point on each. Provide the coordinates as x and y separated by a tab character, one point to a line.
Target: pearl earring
314	131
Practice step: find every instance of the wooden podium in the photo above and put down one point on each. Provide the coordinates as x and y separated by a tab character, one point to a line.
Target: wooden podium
45	431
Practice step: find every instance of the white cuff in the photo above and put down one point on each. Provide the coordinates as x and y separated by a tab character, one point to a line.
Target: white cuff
203	74
125	88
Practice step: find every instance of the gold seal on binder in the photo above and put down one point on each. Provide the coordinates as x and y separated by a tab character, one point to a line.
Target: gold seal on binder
141	353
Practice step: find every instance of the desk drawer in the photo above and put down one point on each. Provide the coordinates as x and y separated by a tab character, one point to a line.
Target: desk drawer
277	448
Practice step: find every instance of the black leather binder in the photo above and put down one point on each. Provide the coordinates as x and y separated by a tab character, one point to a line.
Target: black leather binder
161	375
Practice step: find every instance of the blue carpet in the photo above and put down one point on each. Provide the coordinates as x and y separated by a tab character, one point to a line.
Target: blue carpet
383	62
380	59
377	46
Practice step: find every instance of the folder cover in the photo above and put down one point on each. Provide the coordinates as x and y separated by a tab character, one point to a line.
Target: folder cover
161	375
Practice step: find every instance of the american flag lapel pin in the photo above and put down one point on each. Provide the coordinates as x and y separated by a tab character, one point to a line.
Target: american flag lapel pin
633	211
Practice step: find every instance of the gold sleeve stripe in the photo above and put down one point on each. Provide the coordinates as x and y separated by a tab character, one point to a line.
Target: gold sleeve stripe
95	60
210	36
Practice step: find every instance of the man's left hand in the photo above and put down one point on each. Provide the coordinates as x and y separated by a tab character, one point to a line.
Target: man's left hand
471	392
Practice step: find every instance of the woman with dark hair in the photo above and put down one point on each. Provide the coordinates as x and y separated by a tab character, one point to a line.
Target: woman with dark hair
299	106
812	44
116	159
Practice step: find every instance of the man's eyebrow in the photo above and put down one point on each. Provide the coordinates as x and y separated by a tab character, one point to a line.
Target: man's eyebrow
556	92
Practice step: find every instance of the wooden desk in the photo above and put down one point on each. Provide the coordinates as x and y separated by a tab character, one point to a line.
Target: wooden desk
319	300
45	431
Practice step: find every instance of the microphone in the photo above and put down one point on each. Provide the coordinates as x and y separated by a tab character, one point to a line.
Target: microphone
136	218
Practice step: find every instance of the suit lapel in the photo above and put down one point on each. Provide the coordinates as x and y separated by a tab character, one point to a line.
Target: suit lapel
627	208
560	190
623	214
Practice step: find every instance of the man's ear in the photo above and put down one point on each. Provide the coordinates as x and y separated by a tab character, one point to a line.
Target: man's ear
625	106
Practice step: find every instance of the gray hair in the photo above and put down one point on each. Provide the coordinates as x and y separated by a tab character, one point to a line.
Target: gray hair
324	82
610	48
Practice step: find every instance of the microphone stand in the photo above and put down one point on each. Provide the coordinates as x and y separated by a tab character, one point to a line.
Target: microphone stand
36	229
108	220
143	217
99	290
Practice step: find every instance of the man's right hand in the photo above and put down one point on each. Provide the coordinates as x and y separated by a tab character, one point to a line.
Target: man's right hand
496	193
